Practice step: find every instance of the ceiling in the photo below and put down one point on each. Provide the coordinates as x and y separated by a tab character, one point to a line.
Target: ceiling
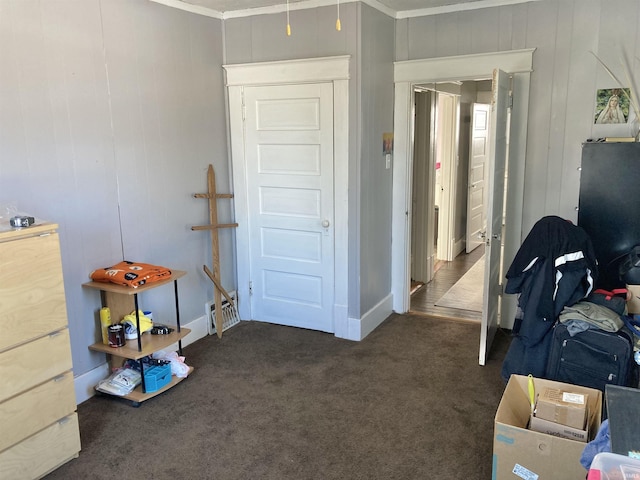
395	6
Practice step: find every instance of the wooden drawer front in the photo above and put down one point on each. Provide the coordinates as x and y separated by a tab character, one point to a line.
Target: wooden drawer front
32	301
36	409
33	363
43	452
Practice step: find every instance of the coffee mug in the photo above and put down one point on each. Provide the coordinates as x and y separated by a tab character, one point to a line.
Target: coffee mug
116	336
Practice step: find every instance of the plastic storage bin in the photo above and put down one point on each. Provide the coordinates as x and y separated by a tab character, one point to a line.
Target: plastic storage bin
610	466
156	377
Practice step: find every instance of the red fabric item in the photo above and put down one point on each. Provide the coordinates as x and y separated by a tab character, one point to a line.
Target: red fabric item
130	274
608	295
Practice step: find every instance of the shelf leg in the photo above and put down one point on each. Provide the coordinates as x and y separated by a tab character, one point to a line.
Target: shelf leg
135	302
144	387
175	290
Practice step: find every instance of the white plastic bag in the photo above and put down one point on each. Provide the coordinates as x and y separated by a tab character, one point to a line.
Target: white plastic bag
178	367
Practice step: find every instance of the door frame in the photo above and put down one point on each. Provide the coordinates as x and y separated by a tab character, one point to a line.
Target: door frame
311	70
409	73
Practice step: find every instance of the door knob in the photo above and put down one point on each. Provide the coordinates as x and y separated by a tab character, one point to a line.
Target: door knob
325	224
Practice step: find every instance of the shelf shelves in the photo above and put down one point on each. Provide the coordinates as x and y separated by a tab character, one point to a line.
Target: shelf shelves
124	290
122	300
150	344
138	396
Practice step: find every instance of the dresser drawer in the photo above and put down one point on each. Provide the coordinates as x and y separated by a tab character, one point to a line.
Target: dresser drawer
33	363
31	289
35	409
40	454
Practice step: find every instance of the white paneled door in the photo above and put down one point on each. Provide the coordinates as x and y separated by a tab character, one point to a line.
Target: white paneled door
476	219
289	153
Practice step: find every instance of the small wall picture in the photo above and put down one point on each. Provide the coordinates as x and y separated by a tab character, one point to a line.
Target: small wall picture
612	106
387	143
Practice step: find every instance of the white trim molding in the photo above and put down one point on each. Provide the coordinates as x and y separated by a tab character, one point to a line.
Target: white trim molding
307	4
458	7
357	329
305	70
462	67
188	7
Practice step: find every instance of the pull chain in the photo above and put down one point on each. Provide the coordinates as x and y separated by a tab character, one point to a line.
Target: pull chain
288	25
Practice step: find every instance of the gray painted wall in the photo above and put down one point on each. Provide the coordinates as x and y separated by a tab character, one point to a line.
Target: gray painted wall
376	110
563	83
110	113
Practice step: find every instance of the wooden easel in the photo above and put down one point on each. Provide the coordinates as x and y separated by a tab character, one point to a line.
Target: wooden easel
213	226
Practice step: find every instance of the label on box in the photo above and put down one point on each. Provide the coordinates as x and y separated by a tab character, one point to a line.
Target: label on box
524	473
576	398
564	407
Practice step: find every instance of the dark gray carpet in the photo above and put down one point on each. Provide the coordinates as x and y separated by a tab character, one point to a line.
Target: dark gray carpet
271	402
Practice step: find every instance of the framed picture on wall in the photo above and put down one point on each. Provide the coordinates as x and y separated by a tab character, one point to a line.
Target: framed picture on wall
613	113
612	106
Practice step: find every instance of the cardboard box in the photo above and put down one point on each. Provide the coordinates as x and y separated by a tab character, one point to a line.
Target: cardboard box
633	300
522	453
565	407
553	428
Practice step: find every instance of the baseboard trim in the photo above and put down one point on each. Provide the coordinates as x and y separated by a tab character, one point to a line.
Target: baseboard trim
85	383
459	247
357	329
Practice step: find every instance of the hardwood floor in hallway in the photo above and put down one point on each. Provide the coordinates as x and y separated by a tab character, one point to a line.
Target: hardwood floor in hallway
448	273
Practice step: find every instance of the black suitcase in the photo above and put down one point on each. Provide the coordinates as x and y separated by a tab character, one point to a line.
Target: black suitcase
593	358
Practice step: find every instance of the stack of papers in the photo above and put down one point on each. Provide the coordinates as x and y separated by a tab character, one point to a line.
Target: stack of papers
120	383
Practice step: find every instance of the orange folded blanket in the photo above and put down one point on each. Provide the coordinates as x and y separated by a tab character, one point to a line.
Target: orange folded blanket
130	274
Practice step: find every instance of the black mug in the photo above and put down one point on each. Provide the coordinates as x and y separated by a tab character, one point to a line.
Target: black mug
116	335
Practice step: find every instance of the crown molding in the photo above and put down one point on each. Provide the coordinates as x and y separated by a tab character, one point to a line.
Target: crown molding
460	7
188	7
307	4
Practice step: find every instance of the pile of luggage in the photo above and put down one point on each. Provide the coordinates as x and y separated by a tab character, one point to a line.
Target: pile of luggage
567	329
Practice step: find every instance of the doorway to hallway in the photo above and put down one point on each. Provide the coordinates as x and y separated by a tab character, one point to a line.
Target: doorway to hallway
448	194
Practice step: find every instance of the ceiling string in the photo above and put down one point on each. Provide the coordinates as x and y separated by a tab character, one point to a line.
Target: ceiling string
338	24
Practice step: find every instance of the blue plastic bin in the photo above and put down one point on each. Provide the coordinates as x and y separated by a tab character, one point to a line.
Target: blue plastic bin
156	377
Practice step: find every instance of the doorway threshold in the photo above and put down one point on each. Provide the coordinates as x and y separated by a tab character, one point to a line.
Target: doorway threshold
423	300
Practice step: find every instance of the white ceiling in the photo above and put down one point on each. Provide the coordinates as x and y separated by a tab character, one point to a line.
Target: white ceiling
400	8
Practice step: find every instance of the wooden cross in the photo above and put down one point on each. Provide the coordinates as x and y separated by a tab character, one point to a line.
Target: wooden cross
213	226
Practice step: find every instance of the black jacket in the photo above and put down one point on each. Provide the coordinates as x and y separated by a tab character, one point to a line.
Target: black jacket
554	267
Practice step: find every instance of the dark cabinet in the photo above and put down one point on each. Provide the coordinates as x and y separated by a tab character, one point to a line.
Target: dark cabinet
609	207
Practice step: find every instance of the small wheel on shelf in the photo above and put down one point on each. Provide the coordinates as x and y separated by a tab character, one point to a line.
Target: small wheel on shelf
135	404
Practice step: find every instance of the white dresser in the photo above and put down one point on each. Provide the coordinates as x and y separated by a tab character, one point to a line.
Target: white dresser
38	417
